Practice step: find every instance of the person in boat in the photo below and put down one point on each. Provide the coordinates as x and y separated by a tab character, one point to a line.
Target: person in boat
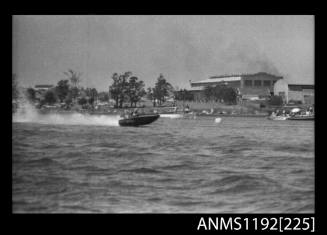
126	114
135	112
187	109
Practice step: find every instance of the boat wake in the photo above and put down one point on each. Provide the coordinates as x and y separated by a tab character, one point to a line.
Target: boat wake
27	113
217	120
173	115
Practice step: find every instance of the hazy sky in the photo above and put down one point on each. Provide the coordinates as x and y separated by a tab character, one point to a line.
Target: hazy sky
182	48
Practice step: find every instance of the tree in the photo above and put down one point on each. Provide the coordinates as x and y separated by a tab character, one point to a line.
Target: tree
221	92
82	101
14	87
189	96
218	93
208	93
114	89
92	95
30	94
50	97
74	92
276	100
74	78
150	95
135	90
229	95
162	89
103	96
68	100
183	94
123	87
119	89
62	89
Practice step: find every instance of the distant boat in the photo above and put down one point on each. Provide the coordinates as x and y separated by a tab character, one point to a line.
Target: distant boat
296	118
139	120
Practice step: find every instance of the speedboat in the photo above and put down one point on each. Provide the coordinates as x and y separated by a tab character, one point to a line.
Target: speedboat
139	120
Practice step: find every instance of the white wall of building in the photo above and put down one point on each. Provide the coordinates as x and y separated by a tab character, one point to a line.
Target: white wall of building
281	89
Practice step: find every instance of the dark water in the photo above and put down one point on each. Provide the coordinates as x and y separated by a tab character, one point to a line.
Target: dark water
241	165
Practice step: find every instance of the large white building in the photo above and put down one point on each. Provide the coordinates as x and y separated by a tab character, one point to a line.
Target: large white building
248	85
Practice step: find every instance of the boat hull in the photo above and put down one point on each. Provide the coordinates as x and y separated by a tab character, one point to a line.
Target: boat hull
139	120
278	118
309	118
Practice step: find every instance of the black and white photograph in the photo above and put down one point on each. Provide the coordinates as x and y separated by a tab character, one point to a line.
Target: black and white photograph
171	114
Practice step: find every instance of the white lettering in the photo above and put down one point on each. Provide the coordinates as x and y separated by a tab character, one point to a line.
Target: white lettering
223	224
215	224
238	223
202	223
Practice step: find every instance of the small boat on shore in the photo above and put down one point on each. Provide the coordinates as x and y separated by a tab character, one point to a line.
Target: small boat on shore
278	118
139	120
297	114
302	118
296	118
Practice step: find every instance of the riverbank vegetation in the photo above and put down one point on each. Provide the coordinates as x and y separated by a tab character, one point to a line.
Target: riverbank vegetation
127	90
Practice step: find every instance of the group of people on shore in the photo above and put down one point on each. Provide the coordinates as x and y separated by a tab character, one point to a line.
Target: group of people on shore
294	112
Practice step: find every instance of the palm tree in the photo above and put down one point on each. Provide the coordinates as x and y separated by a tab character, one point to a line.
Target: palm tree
74	78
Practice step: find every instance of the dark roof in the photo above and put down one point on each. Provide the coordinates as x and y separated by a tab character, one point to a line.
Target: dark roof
245	75
43	86
300	86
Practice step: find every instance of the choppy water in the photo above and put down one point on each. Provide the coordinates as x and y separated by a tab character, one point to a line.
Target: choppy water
241	165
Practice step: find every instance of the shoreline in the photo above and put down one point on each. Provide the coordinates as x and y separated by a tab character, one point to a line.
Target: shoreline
147	110
233	115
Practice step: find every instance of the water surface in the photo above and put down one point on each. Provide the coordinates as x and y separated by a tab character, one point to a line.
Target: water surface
241	165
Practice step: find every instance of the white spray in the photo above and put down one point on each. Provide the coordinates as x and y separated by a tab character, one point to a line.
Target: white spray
26	112
173	115
217	120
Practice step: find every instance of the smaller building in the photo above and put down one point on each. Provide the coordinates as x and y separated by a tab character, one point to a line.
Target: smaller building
43	87
294	92
40	90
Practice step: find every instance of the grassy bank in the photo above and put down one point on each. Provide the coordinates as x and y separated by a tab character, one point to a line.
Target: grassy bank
247	108
214	108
